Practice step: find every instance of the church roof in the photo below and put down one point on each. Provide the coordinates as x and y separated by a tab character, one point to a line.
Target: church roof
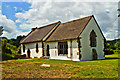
69	30
64	31
37	34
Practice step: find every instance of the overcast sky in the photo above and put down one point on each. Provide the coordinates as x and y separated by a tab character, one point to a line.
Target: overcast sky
18	18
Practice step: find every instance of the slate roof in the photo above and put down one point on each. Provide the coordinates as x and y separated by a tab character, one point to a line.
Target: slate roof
69	30
38	34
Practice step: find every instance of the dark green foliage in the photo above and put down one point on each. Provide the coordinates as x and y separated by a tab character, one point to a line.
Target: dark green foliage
8	51
6	56
10	47
117	45
12	41
108	51
19	49
116	51
112	43
112	46
16	41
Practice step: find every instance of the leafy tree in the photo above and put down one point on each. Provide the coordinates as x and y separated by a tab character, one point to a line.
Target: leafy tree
19	38
117	45
16	41
108	49
9	48
19	50
12	41
4	43
107	45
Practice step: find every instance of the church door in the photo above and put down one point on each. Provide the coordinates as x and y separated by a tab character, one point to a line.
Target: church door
94	54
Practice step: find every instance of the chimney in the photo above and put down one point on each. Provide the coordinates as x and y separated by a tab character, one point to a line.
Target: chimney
33	29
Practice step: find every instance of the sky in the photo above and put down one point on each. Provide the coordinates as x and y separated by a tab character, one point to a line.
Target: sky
18	17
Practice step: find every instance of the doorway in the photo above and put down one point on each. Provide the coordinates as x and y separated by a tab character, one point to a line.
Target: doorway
28	53
94	54
48	50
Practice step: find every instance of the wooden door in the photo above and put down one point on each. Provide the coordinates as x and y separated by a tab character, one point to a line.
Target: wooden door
94	54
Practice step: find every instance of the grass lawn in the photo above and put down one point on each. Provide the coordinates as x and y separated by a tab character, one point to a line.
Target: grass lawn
30	68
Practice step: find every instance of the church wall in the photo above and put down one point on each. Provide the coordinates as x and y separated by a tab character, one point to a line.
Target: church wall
86	49
32	47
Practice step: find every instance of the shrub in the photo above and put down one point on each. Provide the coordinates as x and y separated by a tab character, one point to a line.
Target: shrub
117	51
109	51
6	56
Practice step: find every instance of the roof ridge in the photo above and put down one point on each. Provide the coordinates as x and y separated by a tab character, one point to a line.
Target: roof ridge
77	19
49	24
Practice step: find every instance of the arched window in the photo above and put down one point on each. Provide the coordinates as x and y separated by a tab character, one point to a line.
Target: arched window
37	48
23	48
93	39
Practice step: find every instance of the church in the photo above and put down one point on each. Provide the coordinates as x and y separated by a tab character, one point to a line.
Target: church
76	40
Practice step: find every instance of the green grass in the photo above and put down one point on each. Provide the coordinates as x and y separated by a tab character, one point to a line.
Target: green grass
113	56
30	68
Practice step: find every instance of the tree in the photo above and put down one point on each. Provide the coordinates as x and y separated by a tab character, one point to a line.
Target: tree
108	45
117	45
4	42
108	49
19	50
16	41
10	47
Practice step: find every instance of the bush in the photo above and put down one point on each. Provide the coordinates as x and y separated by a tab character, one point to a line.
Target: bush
20	56
117	51
8	51
109	51
6	56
